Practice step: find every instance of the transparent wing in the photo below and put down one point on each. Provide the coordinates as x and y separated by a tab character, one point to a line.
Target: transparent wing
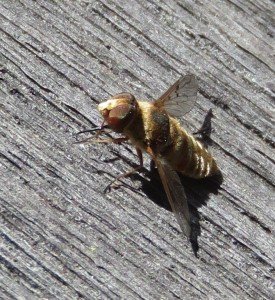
175	194
180	97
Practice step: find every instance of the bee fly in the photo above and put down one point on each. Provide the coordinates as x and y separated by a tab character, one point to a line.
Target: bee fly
152	127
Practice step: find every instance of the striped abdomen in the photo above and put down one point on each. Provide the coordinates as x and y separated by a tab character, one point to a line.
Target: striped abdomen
188	156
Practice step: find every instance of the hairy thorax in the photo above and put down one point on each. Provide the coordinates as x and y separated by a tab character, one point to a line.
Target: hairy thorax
150	128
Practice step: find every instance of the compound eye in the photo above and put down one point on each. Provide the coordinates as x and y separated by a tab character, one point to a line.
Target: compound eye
120	112
105	113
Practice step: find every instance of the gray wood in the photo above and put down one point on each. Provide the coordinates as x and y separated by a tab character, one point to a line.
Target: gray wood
61	236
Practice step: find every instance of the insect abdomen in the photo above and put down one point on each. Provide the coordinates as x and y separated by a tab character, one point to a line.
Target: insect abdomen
200	162
188	156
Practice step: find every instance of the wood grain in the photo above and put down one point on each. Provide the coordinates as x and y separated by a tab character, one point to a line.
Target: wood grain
61	236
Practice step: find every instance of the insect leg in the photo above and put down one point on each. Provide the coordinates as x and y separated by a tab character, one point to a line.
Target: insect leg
114	183
99	130
105	141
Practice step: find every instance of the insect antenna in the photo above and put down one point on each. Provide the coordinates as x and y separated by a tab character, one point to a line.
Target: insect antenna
99	130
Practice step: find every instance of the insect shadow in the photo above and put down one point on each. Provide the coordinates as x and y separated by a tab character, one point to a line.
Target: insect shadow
203	134
197	192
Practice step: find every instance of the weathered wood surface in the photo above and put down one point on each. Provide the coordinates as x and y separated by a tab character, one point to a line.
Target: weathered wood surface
61	236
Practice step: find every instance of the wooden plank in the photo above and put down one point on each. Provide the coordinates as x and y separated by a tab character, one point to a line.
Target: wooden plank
61	236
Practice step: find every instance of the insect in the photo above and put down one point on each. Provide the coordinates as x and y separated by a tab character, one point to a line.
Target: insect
152	127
